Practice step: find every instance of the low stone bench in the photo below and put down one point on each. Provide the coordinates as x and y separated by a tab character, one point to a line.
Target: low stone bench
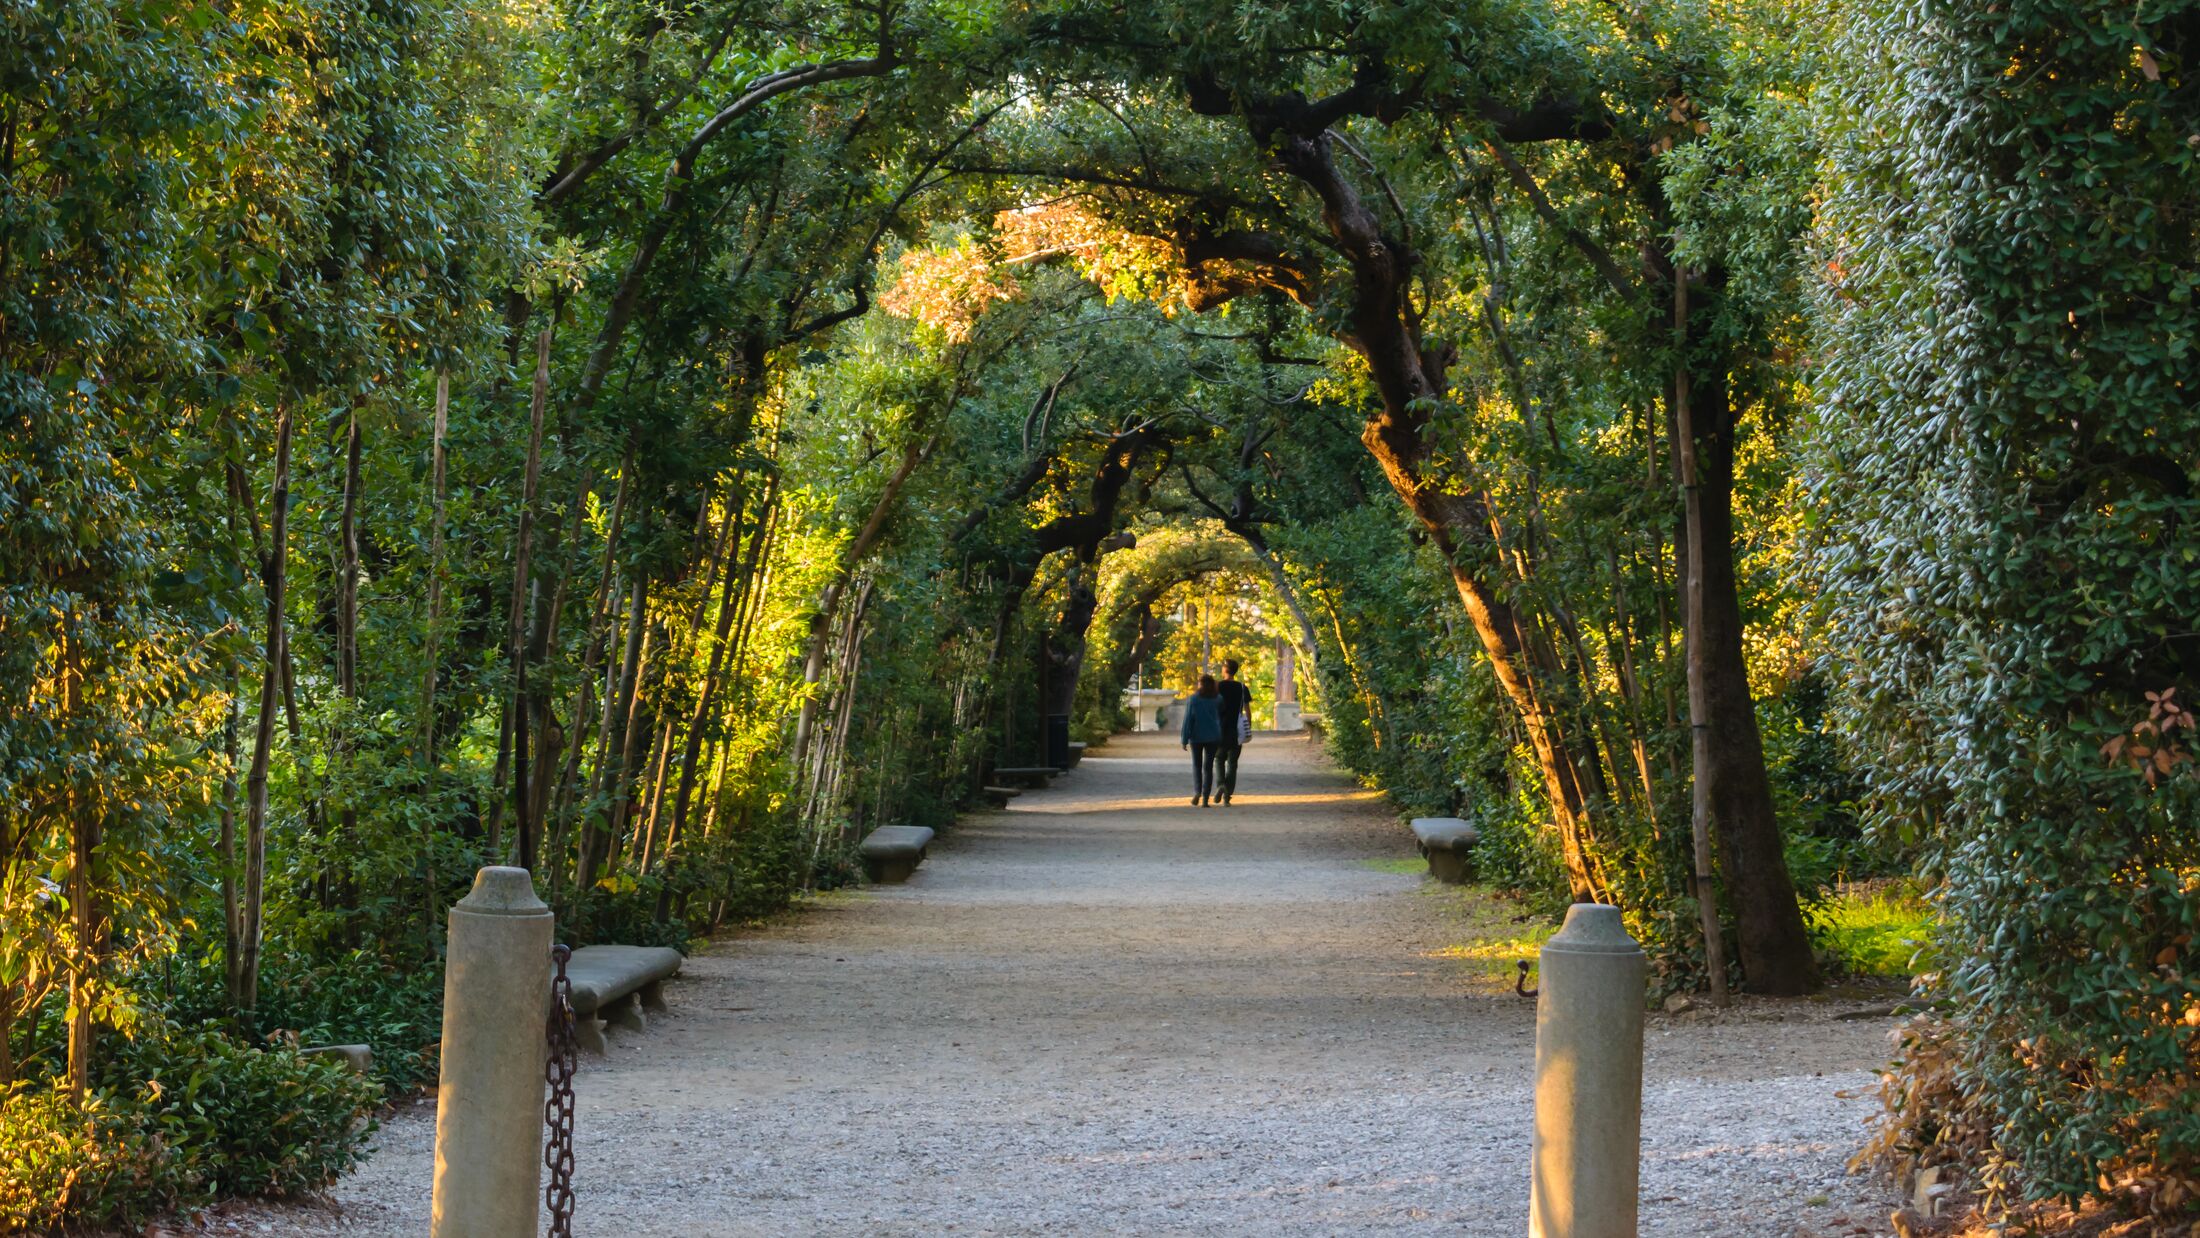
1448	845
359	1059
1000	796
892	852
1027	775
615	985
1076	754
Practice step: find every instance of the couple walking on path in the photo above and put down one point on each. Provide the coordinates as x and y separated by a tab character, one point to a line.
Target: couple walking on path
1217	722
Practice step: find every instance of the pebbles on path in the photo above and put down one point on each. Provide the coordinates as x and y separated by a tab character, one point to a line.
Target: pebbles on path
1106	1011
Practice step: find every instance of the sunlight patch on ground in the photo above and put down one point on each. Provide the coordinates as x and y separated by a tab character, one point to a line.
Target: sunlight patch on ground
1486	935
1884	933
1410	865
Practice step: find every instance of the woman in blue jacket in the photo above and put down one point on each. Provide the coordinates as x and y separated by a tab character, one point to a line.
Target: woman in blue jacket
1202	733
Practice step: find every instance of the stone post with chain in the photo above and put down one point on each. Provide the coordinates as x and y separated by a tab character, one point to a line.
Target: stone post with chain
489	1101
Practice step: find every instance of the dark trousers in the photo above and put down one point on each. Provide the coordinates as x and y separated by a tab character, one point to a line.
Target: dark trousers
1226	763
1203	768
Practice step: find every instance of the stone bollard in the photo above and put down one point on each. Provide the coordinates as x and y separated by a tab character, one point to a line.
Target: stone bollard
1588	1079
488	1104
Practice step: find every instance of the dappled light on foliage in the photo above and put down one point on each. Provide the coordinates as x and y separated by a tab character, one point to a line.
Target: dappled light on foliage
1740	459
945	288
1120	263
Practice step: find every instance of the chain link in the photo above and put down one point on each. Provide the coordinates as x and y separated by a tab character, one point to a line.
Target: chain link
557	1111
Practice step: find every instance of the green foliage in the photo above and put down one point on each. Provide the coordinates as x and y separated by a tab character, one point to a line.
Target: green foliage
233	1120
1886	932
62	1163
852	383
394	1008
2011	265
184	1118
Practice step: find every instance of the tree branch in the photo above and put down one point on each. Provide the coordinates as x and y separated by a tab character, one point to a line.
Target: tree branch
594	160
1597	255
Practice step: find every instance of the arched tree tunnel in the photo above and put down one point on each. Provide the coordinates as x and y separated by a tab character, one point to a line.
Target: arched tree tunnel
1732	454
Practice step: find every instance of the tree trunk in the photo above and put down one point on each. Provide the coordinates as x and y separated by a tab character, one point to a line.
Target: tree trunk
83	885
244	964
1732	795
347	658
516	623
437	487
591	657
718	566
1062	649
1459	525
232	914
619	781
758	573
618	710
828	602
730	597
542	722
1384	329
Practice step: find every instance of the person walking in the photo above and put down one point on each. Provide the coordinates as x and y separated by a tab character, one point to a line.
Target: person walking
1234	702
1202	733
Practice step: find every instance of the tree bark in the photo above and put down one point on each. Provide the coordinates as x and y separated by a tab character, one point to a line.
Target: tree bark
84	827
1732	795
828	602
731	596
617	781
232	914
437	490
516	622
592	654
550	736
243	965
1409	382
438	487
718	565
347	657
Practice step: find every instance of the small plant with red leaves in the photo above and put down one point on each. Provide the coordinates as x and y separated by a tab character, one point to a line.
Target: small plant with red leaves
2158	743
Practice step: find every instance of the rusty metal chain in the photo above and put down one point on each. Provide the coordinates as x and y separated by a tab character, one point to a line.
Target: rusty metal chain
557	1111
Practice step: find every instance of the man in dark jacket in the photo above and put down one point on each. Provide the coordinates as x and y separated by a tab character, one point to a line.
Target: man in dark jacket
1234	701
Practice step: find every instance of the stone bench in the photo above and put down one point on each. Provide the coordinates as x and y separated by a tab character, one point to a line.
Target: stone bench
1000	796
1076	754
892	852
615	985
1312	724
359	1059
1448	845
1033	776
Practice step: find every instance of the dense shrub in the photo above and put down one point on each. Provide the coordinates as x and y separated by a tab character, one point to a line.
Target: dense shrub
233	1120
60	1163
356	998
182	1118
2013	257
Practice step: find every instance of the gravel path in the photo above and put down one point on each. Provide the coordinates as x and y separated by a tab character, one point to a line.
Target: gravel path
1107	1012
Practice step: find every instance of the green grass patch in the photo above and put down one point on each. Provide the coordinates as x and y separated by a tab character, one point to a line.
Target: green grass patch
1407	864
1487	935
1885	933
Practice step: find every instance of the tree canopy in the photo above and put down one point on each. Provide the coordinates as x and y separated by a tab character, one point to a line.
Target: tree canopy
1725	450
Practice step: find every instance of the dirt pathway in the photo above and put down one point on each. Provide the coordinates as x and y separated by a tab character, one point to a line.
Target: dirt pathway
1105	1011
